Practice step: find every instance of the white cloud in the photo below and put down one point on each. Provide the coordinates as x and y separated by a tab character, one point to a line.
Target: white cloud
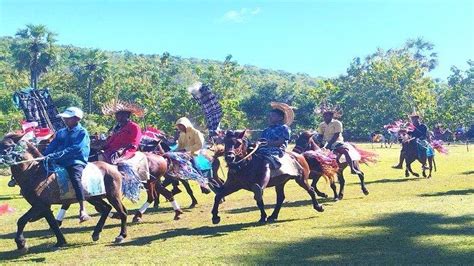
239	16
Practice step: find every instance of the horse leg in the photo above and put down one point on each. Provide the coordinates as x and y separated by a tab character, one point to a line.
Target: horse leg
122	213
409	170
21	223
48	215
361	178
280	194
150	197
169	196
186	185
225	191
334	190
156	202
316	176
105	209
430	163
61	213
342	182
304	184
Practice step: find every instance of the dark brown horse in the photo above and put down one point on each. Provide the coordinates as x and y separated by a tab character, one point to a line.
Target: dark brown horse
412	154
157	167
308	142
243	170
41	191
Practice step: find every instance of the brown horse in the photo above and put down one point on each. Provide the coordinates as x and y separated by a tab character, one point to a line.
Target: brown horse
307	141
412	154
39	188
243	172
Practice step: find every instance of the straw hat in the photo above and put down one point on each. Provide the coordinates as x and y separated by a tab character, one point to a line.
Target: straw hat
414	114
122	106
289	115
328	108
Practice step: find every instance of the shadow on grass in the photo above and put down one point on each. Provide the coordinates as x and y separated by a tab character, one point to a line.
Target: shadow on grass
403	238
10	197
204	231
15	256
468	172
292	204
387	180
450	193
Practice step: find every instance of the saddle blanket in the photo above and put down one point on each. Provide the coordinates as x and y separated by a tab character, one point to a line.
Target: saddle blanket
92	181
355	155
289	166
139	164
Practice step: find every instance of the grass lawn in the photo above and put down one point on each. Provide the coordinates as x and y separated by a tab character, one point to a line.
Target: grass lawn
403	220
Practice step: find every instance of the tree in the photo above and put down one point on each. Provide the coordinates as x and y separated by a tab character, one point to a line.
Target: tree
91	71
34	51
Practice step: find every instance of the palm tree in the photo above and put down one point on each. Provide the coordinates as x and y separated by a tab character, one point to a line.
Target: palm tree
92	71
34	51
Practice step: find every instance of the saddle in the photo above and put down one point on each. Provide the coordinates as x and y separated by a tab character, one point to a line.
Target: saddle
92	182
139	164
289	166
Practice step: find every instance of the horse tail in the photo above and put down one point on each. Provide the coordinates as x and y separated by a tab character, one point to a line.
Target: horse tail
366	156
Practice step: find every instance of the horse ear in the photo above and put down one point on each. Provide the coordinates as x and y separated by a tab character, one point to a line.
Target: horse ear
242	134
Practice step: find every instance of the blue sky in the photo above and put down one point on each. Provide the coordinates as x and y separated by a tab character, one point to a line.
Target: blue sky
316	37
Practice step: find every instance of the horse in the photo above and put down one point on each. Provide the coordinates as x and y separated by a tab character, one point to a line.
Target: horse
307	142
39	189
157	167
243	170
411	154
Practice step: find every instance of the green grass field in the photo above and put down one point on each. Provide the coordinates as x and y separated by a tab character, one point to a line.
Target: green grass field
402	221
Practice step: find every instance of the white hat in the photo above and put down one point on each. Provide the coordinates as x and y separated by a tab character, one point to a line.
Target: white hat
71	112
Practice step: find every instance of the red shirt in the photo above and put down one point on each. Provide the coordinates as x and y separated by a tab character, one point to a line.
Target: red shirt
127	137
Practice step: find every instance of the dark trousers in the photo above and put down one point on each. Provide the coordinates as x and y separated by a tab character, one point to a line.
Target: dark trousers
75	174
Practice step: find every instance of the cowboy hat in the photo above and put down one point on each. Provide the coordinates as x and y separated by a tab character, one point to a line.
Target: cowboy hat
328	108
414	114
122	106
289	115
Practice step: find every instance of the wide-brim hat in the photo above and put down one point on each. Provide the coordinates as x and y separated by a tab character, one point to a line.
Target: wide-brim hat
326	108
116	106
414	114
289	115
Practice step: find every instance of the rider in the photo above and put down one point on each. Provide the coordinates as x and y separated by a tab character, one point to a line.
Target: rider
276	136
190	140
126	134
70	149
330	131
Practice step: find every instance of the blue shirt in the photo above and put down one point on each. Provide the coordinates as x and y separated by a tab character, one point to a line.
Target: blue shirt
70	146
276	132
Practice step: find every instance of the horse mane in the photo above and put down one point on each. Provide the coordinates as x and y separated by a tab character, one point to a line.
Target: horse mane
15	136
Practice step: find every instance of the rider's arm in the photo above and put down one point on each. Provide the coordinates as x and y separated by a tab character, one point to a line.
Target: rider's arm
333	139
52	146
81	141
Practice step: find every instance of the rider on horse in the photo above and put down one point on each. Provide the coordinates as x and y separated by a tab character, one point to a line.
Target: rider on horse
330	133
70	149
191	140
126	134
277	137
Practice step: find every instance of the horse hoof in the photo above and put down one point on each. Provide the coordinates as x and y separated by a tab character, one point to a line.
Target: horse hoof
319	208
59	223
341	196
407	174
416	175
115	215
271	219
177	214
23	250
119	239
60	244
193	205
365	191
216	220
137	219
262	221
95	237
336	199
322	195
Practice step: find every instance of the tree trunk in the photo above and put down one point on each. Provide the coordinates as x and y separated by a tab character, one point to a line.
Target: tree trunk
89	90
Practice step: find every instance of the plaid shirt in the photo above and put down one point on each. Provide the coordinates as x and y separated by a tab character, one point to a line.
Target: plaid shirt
210	106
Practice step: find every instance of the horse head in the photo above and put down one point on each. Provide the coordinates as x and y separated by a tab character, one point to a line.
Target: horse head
306	141
14	149
235	145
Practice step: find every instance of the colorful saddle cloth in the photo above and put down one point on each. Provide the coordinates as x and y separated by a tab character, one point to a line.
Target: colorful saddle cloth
92	181
139	164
